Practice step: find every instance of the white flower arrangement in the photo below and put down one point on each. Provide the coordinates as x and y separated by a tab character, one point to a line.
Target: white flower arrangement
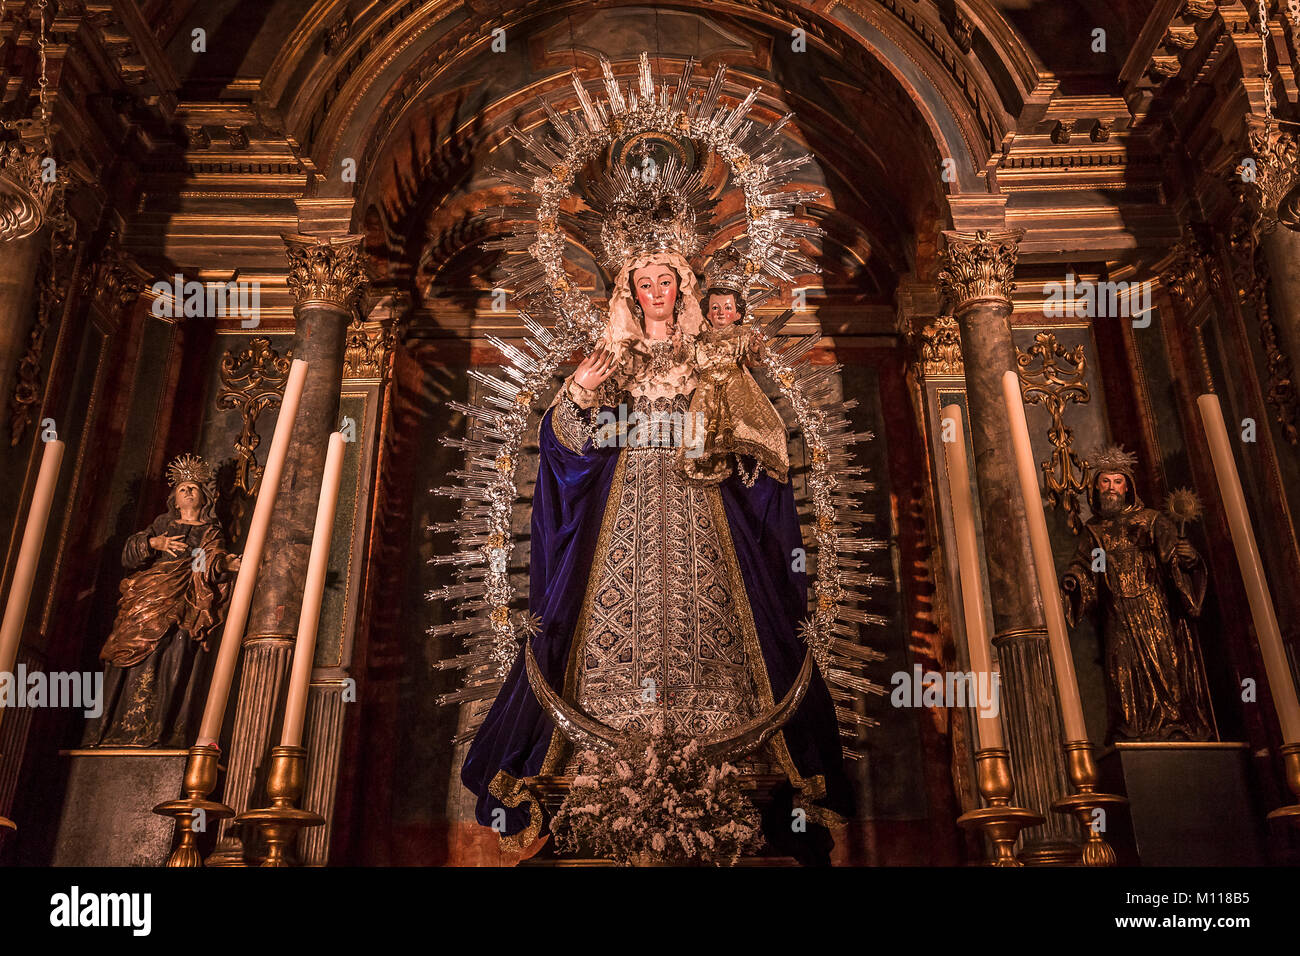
663	803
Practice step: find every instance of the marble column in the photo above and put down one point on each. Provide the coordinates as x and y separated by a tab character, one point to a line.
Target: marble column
977	278
325	277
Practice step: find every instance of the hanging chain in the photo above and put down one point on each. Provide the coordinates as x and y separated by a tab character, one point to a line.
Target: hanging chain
1263	49
44	83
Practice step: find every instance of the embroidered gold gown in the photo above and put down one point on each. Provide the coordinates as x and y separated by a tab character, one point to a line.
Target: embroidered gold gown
665	628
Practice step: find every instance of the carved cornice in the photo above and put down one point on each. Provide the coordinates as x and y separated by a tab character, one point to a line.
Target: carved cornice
941	348
979	265
366	351
325	272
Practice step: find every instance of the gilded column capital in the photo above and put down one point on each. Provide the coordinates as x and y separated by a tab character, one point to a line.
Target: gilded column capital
941	347
1275	197
366	350
979	265
1190	271
325	271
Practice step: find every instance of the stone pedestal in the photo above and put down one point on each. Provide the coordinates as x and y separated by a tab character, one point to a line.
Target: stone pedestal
108	817
1190	803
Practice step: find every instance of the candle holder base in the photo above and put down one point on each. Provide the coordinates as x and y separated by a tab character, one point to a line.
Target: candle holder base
280	822
194	807
1002	825
1086	803
1291	770
999	821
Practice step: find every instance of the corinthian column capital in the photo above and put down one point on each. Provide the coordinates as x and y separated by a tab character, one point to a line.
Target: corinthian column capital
325	271
979	266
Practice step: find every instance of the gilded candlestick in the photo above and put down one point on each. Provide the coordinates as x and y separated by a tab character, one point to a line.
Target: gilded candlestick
1085	803
999	821
280	822
1291	770
195	807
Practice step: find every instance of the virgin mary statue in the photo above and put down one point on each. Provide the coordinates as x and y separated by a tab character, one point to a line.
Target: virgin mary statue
662	599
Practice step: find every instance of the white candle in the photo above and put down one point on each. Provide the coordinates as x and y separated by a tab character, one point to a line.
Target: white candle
1067	685
1280	681
304	651
29	554
232	635
978	645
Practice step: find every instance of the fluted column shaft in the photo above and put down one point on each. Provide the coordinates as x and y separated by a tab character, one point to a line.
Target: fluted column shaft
977	279
325	277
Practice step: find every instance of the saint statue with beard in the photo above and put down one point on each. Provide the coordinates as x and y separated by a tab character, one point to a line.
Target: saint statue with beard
1149	584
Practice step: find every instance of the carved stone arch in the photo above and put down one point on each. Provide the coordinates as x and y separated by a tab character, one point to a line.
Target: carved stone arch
338	104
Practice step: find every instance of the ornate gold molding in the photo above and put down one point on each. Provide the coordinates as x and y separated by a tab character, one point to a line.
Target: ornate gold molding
1192	272
366	351
53	282
1059	378
1275	197
116	281
252	380
979	265
1251	276
26	192
325	271
941	347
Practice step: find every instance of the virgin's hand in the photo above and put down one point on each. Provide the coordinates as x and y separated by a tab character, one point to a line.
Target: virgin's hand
167	543
595	368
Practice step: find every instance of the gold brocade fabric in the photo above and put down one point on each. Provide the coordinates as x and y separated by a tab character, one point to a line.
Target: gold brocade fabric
739	419
664	637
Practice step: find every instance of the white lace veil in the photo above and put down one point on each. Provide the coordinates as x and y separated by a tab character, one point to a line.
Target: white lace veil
624	329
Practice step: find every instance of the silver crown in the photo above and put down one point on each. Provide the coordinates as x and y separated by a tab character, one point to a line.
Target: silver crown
636	212
726	270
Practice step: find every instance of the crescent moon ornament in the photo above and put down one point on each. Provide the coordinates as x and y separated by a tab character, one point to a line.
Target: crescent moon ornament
727	746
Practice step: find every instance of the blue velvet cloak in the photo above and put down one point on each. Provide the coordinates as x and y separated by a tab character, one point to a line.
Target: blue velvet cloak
568	509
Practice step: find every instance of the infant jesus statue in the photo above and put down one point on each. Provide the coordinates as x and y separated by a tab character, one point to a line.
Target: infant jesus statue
737	418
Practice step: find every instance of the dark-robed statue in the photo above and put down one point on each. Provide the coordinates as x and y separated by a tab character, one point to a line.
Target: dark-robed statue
1149	583
170	608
